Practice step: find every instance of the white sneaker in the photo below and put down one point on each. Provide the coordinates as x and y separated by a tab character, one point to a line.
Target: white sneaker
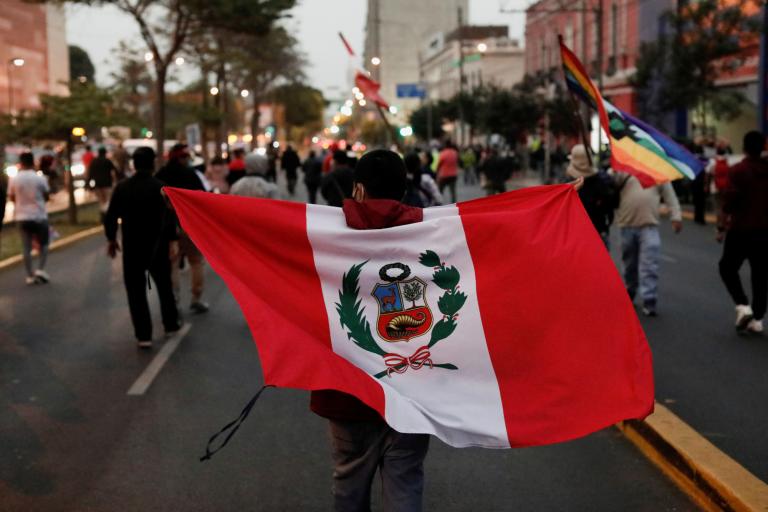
755	326
42	276
743	316
30	280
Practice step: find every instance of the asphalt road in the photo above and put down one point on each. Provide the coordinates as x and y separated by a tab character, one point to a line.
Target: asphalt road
72	439
714	379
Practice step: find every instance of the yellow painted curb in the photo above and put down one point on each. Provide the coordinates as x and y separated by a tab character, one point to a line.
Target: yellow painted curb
58	244
713	479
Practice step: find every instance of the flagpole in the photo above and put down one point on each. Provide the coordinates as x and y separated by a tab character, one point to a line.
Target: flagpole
386	123
577	115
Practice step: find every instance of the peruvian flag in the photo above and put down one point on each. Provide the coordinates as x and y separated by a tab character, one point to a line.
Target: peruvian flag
370	89
498	322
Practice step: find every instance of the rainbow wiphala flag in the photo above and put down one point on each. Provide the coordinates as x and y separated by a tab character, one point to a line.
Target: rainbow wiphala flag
636	147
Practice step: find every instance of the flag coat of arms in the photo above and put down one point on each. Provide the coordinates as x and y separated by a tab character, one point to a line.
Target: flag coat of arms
498	322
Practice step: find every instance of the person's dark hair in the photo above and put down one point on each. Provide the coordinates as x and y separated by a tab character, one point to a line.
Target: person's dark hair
217	160
383	174
102	151
413	162
27	160
87	147
340	157
144	159
721	151
311	154
239	152
754	143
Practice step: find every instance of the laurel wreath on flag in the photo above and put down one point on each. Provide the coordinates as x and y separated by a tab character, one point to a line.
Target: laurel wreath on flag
351	315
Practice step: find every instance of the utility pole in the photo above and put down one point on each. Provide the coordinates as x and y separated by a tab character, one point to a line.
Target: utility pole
376	39
460	11
599	19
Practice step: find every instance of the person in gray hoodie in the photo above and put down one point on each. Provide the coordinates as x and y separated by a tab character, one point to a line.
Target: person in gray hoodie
254	184
638	219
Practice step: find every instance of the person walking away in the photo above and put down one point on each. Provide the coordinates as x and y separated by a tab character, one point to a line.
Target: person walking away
313	175
598	195
290	162
29	192
745	204
421	190
177	173
699	193
448	169
120	159
337	184
236	166
272	156
102	174
88	156
638	218
361	441
254	184
3	200
148	245
719	170
469	164
47	165
496	172
217	174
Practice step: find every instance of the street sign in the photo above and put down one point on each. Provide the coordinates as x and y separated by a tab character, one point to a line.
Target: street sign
410	91
193	135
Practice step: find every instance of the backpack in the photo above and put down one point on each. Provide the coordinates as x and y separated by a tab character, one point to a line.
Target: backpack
721	173
413	197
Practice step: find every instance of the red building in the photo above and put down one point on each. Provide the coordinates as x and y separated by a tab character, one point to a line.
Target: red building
35	35
577	22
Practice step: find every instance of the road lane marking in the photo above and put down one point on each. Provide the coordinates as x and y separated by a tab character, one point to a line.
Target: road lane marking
668	259
153	369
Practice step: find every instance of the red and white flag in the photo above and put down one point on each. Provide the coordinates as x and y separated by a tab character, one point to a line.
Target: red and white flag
498	322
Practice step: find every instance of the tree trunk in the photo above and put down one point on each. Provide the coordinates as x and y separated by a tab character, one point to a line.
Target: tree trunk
255	122
159	127
204	90
72	205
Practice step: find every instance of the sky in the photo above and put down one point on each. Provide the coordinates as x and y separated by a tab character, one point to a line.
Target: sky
98	30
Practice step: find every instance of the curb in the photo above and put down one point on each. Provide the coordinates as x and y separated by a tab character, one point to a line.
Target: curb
58	244
710	477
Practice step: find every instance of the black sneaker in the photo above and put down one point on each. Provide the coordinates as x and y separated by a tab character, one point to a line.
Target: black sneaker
649	309
199	307
144	344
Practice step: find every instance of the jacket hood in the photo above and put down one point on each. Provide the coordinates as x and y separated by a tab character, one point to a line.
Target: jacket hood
379	213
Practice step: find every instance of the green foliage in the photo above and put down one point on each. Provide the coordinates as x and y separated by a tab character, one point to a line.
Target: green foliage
412	292
442	330
706	39
450	303
446	278
303	104
420	120
351	313
429	259
80	65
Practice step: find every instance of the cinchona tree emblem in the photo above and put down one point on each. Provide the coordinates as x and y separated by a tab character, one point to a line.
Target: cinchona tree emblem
403	312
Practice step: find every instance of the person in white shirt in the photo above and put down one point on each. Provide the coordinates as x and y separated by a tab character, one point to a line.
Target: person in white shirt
29	193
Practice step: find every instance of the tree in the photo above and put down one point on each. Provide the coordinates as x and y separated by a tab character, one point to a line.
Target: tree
709	39
508	112
420	121
80	65
132	82
87	106
304	106
412	292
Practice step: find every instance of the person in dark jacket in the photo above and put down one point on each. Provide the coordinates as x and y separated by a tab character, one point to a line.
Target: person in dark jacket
496	171
598	195
745	205
313	175
102	174
177	173
290	163
362	442
337	184
148	234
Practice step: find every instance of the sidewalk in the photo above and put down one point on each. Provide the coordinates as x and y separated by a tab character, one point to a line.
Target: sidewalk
58	202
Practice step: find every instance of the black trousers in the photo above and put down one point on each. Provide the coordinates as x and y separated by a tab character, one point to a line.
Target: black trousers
135	270
312	194
751	246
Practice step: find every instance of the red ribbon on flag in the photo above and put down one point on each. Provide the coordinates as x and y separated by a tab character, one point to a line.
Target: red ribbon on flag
400	364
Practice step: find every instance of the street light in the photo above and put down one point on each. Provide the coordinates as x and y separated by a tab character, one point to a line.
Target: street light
214	90
482	47
15	62
179	61
244	93
375	61
149	57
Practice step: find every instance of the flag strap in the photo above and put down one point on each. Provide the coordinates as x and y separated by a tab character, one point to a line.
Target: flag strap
232	426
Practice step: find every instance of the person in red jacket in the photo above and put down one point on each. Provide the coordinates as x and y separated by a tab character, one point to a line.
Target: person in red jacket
362	442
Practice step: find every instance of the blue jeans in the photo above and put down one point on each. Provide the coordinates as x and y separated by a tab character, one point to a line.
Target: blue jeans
640	254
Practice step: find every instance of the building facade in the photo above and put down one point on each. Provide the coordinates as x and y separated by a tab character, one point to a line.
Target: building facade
36	34
577	22
489	55
395	32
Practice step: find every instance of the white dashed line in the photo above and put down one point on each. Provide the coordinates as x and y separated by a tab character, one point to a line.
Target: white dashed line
153	369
